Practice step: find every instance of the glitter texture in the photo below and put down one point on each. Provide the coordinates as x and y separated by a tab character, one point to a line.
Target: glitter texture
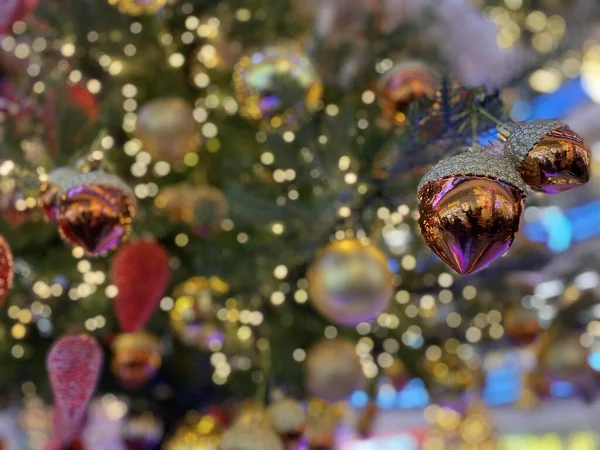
477	164
523	138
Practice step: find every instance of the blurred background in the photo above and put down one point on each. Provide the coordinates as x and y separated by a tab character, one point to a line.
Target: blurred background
223	195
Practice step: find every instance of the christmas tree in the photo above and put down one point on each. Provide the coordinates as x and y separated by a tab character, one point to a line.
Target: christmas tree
223	194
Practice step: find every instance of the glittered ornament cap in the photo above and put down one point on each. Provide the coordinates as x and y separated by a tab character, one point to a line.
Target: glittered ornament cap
477	164
247	437
550	157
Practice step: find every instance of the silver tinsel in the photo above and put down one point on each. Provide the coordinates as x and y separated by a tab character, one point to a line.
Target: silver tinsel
478	164
523	138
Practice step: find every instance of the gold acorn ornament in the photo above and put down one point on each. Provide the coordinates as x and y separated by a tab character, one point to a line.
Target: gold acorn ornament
167	129
277	86
333	370
48	196
96	211
288	420
470	207
138	7
405	83
550	156
136	358
350	282
522	325
193	318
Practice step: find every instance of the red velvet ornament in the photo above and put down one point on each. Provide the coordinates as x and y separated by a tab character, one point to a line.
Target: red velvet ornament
73	364
85	101
12	11
140	271
6	269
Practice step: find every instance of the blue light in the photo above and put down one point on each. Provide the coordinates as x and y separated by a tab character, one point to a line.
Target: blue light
560	233
562	389
393	265
413	396
503	386
594	361
359	399
570	96
386	398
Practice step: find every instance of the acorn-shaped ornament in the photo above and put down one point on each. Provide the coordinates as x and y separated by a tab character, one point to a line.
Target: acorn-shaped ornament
550	157
470	206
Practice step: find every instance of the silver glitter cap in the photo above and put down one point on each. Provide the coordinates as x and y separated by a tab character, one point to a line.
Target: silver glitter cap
477	164
524	136
98	177
61	175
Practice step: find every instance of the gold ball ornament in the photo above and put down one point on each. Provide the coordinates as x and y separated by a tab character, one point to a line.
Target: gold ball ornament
451	377
96	211
193	318
167	130
550	156
278	86
561	357
350	283
522	325
333	370
404	84
202	434
202	207
288	420
136	358
470	208
251	412
48	196
250	437
138	7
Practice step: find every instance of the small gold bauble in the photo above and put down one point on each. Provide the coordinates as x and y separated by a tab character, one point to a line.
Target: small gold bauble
561	357
193	318
136	358
522	325
288	420
203	208
323	419
138	7
333	370
167	129
405	83
204	433
277	86
350	283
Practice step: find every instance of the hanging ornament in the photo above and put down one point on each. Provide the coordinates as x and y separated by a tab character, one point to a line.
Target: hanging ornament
203	433
397	374
248	437
142	431
522	325
74	365
48	196
404	84
203	208
193	318
561	357
12	11
251	412
490	196
167	129
138	7
323	419
278	86
550	157
136	358
288	420
451	377
350	283
96	211
333	370
140	271
6	269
